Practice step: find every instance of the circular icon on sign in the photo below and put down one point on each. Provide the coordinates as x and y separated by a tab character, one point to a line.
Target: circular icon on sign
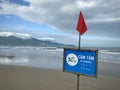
72	59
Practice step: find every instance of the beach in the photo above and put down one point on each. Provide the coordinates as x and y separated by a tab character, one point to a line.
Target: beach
36	68
33	78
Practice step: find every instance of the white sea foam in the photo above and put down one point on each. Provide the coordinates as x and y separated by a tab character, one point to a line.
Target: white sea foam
6	60
115	62
108	52
22	60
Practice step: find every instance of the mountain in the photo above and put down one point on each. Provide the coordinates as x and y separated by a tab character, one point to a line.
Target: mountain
10	39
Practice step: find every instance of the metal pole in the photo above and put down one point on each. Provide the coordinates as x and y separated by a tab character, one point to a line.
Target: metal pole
79	49
78	81
79	41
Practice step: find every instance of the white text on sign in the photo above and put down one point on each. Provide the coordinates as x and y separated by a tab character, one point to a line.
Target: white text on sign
89	57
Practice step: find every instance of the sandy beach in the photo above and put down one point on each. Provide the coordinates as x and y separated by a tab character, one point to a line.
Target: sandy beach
30	78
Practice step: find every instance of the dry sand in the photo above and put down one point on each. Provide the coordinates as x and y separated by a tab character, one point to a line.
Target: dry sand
29	78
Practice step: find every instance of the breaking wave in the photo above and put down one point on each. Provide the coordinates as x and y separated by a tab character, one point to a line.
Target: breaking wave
13	60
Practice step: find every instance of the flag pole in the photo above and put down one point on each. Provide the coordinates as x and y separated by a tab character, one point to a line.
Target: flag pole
78	76
78	81
79	41
81	27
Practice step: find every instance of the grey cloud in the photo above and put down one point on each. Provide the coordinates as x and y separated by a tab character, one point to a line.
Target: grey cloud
103	18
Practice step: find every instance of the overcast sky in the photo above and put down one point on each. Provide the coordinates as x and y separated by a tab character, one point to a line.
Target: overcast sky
56	20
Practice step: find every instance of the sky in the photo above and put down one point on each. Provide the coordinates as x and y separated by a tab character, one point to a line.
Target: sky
56	20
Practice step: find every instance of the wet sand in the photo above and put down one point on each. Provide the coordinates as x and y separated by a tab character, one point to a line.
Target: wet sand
30	78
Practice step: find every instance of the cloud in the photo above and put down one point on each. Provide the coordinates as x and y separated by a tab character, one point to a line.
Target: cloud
46	38
86	3
102	16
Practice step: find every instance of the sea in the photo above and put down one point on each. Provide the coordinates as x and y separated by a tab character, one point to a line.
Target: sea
48	57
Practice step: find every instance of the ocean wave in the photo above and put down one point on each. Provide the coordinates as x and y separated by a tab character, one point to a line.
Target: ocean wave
108	61
109	52
22	60
15	60
5	60
40	56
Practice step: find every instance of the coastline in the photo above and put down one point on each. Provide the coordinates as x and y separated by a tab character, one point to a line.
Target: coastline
31	78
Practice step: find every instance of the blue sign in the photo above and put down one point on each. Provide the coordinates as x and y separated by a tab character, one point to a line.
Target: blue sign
82	62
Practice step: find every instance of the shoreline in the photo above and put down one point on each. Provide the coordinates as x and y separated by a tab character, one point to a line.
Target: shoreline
104	68
32	78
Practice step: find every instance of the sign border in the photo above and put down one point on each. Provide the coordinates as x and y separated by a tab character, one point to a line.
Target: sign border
96	70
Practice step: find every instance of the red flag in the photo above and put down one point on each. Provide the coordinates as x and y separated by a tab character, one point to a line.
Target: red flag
81	25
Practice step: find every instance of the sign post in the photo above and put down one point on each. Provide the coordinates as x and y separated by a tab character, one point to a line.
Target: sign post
81	27
80	61
78	76
78	81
